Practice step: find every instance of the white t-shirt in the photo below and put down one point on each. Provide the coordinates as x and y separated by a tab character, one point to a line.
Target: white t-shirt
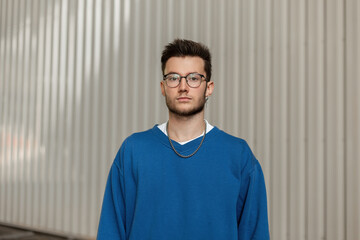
162	127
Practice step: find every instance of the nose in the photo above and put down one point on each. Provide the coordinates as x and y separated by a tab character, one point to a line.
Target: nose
183	85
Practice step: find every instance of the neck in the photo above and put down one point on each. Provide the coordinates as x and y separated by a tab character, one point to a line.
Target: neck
183	129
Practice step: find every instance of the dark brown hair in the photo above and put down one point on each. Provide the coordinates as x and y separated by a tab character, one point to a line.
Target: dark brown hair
183	48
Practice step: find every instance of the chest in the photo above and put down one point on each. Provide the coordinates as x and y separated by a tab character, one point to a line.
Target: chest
201	178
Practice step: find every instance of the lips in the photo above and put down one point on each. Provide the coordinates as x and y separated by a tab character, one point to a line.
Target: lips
183	99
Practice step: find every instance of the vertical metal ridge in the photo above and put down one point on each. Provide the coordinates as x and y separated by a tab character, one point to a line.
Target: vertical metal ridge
271	120
295	117
35	86
251	107
334	129
11	179
352	114
115	48
79	112
45	114
344	33
69	119
16	121
325	118
3	128
289	209
97	67
283	73
356	230
27	117
125	67
236	71
134	57
60	124
220	89
86	130
20	135
302	128
92	108
54	176
78	96
316	121
2	93
267	97
148	83
307	120
258	127
159	38
38	112
105	123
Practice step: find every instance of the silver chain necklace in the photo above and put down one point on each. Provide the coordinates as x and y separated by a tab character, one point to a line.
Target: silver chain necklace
184	156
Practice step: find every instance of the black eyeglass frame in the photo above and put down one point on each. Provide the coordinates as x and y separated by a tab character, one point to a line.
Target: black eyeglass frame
201	75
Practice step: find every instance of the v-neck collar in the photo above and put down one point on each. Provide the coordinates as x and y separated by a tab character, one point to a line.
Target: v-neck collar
187	147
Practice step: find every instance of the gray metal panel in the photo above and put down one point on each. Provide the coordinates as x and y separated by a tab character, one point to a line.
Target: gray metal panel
77	77
352	120
315	136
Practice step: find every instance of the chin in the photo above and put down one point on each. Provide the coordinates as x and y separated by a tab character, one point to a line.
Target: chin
186	112
187	109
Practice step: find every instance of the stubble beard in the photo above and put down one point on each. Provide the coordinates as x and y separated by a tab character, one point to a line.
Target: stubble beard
187	112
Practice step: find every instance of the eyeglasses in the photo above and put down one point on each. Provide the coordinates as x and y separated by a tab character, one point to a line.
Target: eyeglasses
193	80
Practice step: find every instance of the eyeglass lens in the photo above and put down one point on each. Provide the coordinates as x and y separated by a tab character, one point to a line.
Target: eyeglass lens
192	79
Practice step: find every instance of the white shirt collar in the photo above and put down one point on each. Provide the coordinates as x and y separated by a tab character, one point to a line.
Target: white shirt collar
162	127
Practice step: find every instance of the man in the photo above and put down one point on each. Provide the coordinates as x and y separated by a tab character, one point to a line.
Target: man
185	179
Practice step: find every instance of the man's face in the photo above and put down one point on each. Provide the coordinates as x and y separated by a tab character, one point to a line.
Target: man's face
184	100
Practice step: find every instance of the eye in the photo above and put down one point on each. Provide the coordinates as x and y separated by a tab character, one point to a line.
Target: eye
172	77
194	77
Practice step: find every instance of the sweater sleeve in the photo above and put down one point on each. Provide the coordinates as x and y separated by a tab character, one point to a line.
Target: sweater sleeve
253	219
112	218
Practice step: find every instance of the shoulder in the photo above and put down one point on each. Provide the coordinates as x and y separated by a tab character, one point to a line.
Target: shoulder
138	138
135	141
232	141
238	148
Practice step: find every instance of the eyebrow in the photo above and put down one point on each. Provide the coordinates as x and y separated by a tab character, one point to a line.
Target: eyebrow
180	74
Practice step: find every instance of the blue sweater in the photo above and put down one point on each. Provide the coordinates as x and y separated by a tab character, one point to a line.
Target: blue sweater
151	193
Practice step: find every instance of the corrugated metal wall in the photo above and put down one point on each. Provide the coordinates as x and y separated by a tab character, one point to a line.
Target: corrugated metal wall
77	77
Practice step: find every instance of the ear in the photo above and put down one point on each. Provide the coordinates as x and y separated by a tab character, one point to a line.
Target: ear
162	86
209	88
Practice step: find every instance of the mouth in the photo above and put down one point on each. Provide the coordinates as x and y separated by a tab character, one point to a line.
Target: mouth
183	99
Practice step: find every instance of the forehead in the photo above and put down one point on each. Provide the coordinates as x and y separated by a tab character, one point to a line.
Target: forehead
185	65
